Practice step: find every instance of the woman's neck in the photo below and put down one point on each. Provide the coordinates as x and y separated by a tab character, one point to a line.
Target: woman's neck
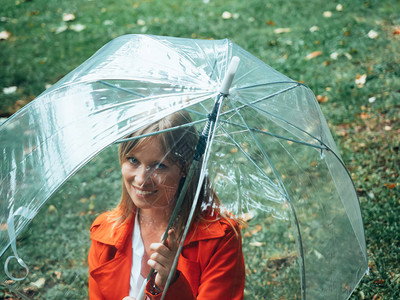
156	218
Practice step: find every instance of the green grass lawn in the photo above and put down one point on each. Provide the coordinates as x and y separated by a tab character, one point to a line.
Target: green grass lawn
345	51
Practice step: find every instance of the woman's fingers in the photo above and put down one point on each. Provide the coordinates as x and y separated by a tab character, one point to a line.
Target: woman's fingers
162	258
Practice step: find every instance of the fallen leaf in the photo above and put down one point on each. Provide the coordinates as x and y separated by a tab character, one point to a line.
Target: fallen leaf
226	15
390	185
256	229
39	283
365	116
270	23
387	128
78	27
317	254
327	14
52	209
372	34
61	28
108	22
68	17
281	30
141	22
348	56
371	99
334	55
247	216
339	7
322	99
313	54
360	80
9	90
58	274
256	244
396	31
4	35
314	28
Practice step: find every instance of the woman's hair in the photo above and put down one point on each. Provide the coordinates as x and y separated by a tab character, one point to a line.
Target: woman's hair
179	145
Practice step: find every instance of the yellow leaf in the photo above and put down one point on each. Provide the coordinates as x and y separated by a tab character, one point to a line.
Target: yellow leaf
322	99
313	54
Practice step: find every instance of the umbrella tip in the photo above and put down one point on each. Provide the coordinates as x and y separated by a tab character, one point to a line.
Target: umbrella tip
230	73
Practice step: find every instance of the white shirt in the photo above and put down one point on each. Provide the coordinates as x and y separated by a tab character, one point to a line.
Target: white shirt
137	280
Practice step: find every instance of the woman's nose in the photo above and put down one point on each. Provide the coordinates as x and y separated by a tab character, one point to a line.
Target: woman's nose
142	175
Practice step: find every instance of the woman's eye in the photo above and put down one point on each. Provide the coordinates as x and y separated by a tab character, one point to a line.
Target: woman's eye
132	160
161	166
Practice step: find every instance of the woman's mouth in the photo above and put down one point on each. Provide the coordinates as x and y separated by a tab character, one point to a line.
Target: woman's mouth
144	193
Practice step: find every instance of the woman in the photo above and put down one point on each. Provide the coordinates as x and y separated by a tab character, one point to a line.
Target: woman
126	241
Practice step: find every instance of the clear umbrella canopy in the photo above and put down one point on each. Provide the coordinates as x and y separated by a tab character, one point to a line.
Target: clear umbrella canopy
272	158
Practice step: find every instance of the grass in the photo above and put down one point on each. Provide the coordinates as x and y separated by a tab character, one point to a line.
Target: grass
363	118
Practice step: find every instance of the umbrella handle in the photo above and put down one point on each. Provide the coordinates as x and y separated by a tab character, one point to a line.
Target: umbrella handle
230	73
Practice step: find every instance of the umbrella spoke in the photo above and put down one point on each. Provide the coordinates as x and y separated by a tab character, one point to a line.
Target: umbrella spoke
322	147
269	83
190	95
251	104
121	88
160	131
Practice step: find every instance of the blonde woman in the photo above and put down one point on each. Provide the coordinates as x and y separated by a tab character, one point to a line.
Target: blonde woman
126	241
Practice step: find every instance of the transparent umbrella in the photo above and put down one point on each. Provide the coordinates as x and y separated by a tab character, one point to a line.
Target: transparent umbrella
270	156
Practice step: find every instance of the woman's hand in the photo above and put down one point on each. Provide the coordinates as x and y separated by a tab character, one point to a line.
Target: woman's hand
162	258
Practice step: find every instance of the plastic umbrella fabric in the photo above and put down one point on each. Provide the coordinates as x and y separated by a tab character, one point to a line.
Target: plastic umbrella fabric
272	157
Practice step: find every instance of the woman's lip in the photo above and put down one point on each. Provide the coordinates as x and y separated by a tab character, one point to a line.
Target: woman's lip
144	193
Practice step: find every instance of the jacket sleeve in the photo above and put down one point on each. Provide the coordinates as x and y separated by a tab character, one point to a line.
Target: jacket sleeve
223	277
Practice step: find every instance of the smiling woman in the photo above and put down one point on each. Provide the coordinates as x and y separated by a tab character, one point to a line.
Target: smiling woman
126	241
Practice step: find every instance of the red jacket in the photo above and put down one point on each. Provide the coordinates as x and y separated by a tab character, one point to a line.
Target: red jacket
211	264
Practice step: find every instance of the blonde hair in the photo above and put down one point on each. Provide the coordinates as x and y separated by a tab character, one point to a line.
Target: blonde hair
179	145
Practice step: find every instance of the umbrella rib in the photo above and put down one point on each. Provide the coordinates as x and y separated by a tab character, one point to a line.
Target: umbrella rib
120	88
207	58
251	160
251	104
287	197
134	101
196	112
270	83
259	100
277	136
160	131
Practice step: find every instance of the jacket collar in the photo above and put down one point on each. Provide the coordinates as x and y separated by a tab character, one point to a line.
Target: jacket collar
210	228
106	233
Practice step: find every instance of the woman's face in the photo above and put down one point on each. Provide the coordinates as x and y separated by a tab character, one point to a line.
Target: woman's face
151	180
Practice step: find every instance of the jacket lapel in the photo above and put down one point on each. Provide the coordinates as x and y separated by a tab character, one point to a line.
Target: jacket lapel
113	276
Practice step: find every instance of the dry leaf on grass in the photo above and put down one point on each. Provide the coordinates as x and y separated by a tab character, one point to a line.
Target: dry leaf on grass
372	34
313	54
68	17
281	30
4	35
322	99
360	80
